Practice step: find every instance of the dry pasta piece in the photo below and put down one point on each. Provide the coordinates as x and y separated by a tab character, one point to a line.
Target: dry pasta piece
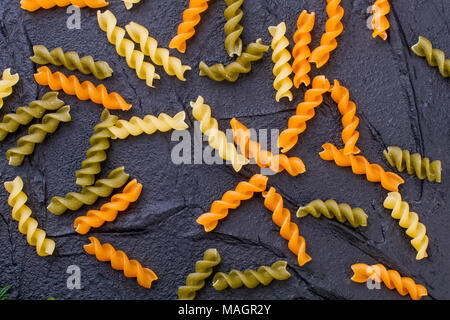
129	3
301	51
233	30
33	5
216	138
108	211
251	278
191	17
203	270
288	230
120	261
264	158
379	21
281	56
6	84
391	278
333	28
231	200
410	221
434	57
22	213
83	91
305	111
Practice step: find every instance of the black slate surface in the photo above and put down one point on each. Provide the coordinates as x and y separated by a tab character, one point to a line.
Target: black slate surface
400	100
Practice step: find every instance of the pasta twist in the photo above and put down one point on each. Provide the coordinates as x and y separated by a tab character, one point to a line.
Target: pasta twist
301	51
391	278
22	213
331	209
242	64
251	278
216	138
413	163
96	153
231	200
374	173
33	5
6	83
350	121
125	48
264	158
186	30
89	195
129	3
120	261
281	56
305	111
434	57
36	134
379	21
108	211
288	230
409	221
84	91
196	280
233	30
148	125
333	28
160	56
72	61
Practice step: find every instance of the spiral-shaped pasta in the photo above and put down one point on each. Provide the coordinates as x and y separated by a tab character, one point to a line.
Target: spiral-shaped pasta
72	61
160	56
186	30
331	209
391	278
33	5
281	56
84	91
125	48
22	213
231	200
304	112
89	195
120	261
233	30
301	51
413	163
350	121
333	28
409	221
216	138
36	134
6	83
374	173
264	158
251	278
96	153
196	280
129	3
24	115
108	211
288	230
148	125
434	57
242	64
379	21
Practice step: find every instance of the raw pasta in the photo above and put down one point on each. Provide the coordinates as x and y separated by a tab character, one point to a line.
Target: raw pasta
22	213
6	83
231	200
233	30
251	278
301	51
129	3
434	57
379	21
33	5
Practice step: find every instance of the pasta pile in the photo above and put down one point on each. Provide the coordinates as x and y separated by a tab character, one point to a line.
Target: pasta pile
233	30
33	5
6	84
301	51
379	21
434	57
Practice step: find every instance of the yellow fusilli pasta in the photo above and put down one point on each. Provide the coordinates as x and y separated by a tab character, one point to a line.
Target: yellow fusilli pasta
6	83
129	3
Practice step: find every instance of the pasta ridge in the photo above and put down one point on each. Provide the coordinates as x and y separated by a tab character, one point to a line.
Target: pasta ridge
301	51
6	84
233	30
434	57
33	5
379	21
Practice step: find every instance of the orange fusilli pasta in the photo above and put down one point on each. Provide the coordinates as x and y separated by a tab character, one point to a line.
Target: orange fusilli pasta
301	51
379	21
33	5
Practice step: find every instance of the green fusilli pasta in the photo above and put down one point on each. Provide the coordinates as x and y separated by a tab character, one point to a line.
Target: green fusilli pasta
233	30
434	57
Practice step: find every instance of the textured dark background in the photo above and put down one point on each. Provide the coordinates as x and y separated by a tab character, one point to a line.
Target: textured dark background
400	99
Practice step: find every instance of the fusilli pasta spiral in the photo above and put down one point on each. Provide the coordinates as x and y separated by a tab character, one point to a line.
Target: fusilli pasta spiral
379	21
391	278
251	278
33	5
434	57
231	200
22	213
301	51
89	195
6	83
281	56
196	280
129	3
233	30
36	134
331	209
120	261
